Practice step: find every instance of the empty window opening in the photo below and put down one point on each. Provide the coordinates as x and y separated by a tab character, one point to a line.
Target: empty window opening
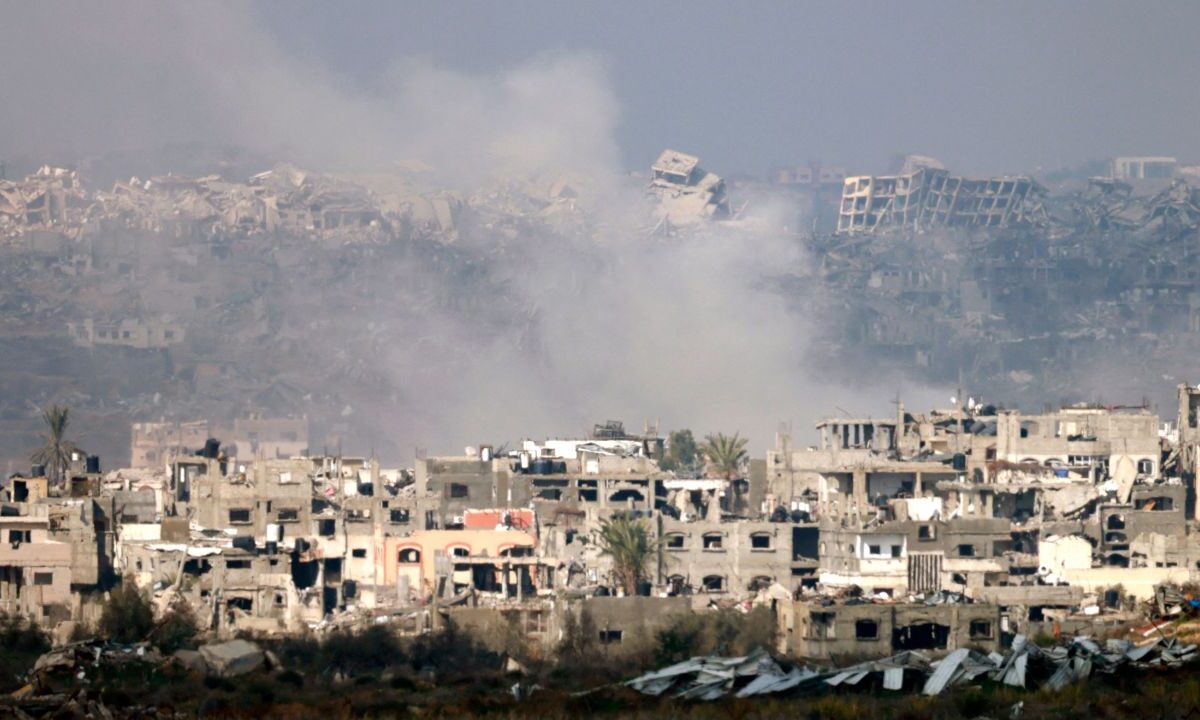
20	536
866	630
609	637
239	517
461	551
327	528
398	515
288	515
805	543
921	636
458	490
1157	504
714	583
237	564
981	630
761	541
675	541
241	603
966	551
1116	522
410	556
358	552
926	533
622	496
713	541
43	578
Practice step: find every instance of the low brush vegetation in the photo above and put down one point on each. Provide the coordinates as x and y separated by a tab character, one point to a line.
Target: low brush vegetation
375	673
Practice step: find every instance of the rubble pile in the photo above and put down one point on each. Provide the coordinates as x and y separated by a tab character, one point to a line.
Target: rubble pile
69	680
1025	665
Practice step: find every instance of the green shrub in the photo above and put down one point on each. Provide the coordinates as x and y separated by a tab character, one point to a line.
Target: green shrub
177	629
722	632
128	616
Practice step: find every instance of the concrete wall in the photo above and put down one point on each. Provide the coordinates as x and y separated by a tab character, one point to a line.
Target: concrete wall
810	630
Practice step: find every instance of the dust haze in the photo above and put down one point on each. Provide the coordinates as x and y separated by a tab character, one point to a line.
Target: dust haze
571	323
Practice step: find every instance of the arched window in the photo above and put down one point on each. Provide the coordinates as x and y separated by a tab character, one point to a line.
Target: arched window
762	541
410	556
714	583
460	551
674	541
760	582
713	540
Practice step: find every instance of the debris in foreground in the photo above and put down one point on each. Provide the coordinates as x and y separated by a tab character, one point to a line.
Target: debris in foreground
1025	665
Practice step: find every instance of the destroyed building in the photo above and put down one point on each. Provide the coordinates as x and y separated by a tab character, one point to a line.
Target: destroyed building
686	192
929	197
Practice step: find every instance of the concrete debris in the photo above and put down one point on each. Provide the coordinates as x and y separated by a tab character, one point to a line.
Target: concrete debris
1024	665
686	193
233	658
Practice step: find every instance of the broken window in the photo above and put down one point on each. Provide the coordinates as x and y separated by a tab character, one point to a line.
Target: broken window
20	536
288	515
925	533
399	515
921	636
760	582
866	630
327	528
358	552
713	540
237	564
1158	504
608	637
714	583
458	490
240	516
823	626
675	541
241	603
761	541
896	551
43	578
966	550
874	550
461	551
410	556
981	630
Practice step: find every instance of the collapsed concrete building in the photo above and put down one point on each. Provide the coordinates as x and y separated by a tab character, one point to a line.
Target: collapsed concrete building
686	193
930	197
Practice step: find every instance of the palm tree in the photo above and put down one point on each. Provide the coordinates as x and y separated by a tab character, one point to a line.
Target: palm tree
725	454
631	546
56	451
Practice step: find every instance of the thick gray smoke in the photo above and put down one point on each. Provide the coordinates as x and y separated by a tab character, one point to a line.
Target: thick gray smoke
591	319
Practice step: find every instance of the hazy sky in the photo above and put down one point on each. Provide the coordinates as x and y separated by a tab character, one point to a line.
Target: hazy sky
986	87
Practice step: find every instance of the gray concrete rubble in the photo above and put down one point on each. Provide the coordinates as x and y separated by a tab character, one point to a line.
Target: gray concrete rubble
233	658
